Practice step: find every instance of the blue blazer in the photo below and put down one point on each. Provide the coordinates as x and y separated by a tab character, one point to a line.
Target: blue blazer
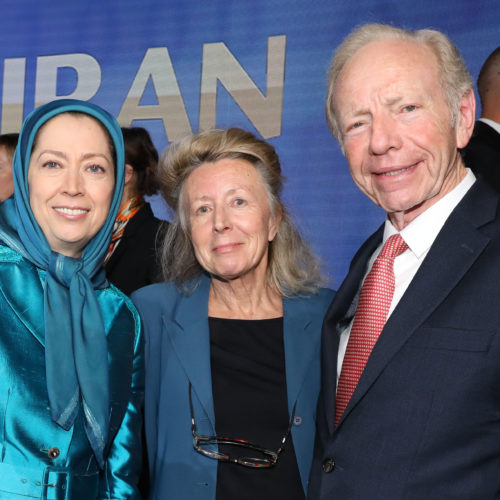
178	353
39	459
424	420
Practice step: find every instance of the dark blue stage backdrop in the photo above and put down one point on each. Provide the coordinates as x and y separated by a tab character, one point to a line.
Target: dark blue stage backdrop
179	66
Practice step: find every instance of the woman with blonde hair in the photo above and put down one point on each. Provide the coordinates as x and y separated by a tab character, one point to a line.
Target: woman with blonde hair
233	335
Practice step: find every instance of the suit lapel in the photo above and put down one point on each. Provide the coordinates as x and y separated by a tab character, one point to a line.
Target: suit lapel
454	251
189	335
338	317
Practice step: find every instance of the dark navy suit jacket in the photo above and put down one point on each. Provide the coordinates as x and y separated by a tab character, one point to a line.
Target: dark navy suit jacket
424	420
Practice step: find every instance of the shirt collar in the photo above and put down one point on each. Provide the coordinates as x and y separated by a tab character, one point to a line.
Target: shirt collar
420	234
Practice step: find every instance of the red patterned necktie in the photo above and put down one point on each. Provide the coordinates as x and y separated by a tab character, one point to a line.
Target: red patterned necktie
371	314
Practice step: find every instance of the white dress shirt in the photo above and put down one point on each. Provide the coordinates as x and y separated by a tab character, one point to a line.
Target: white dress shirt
419	235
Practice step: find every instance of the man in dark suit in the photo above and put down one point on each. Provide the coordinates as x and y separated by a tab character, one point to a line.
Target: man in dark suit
412	337
482	154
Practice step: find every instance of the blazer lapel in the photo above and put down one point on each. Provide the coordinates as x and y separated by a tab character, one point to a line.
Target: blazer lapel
454	251
189	334
298	322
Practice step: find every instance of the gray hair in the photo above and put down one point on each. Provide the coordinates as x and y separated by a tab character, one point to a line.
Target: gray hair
293	268
455	78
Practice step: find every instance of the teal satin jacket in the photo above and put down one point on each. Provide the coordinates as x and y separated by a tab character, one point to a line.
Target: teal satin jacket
39	459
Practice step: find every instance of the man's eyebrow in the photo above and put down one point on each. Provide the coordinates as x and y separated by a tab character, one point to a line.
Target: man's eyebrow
390	101
394	100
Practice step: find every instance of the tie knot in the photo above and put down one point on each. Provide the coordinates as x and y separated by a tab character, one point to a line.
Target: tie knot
394	246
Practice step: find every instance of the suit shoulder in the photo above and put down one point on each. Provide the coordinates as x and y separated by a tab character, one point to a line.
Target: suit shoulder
318	301
326	293
157	295
324	297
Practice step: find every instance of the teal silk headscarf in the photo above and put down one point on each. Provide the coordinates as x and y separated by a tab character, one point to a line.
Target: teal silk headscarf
76	353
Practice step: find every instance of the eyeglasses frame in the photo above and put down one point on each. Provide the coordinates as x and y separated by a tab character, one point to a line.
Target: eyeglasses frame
252	462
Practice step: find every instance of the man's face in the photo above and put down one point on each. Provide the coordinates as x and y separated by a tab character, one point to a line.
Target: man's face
397	128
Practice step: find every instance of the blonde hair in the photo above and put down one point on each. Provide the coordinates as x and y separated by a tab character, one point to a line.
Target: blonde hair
293	268
455	78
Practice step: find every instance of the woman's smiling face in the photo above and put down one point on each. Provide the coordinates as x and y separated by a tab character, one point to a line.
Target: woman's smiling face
71	180
230	220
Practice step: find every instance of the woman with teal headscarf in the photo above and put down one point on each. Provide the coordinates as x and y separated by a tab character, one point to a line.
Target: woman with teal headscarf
71	355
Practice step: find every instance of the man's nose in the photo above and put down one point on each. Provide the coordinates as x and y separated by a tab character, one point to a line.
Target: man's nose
384	135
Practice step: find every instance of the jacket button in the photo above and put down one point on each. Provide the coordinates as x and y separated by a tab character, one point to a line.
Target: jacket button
328	465
53	452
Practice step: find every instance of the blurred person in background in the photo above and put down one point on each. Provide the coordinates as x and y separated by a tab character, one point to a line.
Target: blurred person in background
131	261
8	143
482	153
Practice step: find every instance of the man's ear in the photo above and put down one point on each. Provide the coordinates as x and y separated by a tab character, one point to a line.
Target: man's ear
466	118
129	172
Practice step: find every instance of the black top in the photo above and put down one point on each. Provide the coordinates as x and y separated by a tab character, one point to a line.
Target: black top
135	263
250	401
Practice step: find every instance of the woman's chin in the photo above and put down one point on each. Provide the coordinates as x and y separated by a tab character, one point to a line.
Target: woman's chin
225	276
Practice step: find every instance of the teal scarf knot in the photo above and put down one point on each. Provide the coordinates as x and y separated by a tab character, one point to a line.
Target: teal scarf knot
76	353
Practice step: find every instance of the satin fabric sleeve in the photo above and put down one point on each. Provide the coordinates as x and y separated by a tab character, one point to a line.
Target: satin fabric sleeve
123	466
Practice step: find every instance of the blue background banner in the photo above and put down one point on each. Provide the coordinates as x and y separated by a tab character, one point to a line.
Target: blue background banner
175	67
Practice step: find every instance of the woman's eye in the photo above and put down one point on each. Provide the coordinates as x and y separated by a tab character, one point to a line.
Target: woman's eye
96	169
51	164
202	210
